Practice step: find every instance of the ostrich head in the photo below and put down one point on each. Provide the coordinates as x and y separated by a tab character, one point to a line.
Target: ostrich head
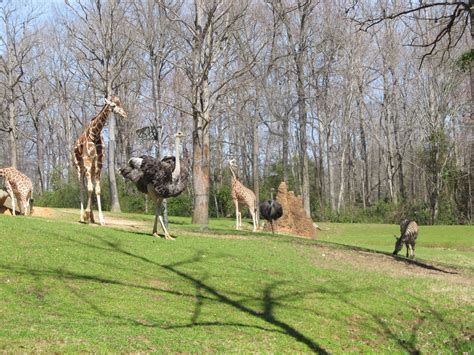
116	106
178	136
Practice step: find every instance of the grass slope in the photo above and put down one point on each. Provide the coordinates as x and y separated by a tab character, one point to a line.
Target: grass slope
67	287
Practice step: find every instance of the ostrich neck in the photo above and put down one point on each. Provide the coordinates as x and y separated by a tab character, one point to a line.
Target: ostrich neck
177	166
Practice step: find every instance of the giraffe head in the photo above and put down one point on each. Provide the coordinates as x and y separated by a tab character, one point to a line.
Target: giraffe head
232	163
116	106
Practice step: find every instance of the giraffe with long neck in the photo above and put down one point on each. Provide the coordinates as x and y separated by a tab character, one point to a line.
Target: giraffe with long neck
240	193
89	156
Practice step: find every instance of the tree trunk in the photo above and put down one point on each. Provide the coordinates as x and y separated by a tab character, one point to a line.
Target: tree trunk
255	163
332	195
40	156
114	199
340	197
304	170
12	131
471	122
365	160
200	170
285	138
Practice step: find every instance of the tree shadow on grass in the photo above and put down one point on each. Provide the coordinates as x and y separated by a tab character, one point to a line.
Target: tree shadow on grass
204	292
200	285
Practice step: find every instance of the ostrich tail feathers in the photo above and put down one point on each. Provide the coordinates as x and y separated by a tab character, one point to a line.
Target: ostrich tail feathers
131	174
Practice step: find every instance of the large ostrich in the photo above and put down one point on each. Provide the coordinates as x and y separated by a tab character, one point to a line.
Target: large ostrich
271	209
159	179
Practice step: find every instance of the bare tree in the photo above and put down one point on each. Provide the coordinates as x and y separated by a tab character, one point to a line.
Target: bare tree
102	46
206	37
17	43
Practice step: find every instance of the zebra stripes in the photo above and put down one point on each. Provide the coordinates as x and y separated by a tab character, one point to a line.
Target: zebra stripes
408	235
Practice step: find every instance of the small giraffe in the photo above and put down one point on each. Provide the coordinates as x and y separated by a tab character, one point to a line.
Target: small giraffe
20	186
89	155
240	193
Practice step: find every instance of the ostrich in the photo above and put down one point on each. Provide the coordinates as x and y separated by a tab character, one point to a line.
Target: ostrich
271	209
159	179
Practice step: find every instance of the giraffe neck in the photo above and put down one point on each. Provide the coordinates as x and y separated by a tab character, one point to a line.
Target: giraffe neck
234	176
98	122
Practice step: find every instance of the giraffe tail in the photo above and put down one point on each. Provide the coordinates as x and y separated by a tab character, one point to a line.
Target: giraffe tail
30	202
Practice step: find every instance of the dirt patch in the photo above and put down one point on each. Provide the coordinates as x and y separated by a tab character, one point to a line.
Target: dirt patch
324	256
43	212
208	234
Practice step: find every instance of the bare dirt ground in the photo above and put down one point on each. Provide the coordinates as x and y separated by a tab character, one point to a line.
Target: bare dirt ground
112	222
448	278
43	212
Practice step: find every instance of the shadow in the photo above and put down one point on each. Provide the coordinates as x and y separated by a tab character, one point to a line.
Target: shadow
398	258
382	326
203	293
421	264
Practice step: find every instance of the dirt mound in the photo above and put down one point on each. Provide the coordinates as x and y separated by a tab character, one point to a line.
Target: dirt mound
294	219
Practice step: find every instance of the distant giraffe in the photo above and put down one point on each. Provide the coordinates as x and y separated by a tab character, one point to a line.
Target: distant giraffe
89	155
240	193
20	186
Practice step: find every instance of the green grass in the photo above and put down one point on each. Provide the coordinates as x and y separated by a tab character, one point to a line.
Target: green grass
67	287
447	244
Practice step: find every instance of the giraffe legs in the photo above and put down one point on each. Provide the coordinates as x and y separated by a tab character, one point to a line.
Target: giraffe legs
89	216
81	188
237	215
9	189
254	220
97	194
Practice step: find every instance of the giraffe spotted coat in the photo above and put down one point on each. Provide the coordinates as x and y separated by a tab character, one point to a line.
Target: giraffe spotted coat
20	186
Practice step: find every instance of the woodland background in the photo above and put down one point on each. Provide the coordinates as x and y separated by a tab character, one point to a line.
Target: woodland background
349	110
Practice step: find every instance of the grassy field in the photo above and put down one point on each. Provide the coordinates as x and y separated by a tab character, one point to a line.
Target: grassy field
67	287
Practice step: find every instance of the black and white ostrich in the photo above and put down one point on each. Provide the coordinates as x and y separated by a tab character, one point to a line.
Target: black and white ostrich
271	209
159	179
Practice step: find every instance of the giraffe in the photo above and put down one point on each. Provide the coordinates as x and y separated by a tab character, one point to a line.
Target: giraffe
20	186
240	193
89	154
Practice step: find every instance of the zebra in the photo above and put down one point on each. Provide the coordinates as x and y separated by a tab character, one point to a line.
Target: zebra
408	234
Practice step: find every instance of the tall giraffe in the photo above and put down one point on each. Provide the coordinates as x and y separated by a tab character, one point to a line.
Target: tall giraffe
240	193
20	186
89	155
